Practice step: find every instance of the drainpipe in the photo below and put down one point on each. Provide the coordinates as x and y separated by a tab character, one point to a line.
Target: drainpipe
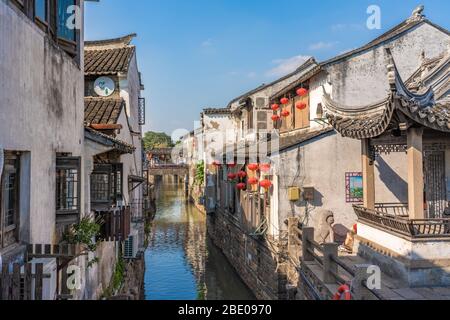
1	161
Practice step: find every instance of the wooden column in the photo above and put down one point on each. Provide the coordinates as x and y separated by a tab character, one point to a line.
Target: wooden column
415	173
368	175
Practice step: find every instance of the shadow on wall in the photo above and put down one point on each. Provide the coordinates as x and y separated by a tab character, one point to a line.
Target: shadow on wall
391	179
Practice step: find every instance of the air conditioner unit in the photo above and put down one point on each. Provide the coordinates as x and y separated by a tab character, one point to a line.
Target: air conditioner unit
131	246
50	279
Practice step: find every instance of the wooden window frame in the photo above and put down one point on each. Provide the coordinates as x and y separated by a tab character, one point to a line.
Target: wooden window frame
12	228
43	24
112	186
50	27
68	163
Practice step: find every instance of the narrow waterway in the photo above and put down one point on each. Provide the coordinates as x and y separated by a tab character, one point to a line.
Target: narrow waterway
181	262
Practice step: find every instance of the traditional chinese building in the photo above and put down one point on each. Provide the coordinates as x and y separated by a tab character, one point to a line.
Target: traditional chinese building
114	115
315	175
41	136
410	237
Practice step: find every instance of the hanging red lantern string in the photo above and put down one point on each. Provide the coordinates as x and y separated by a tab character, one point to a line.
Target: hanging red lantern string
285	113
252	181
266	184
241	174
302	92
232	176
231	165
264	167
275	118
275	107
216	163
284	101
253	166
241	186
301	105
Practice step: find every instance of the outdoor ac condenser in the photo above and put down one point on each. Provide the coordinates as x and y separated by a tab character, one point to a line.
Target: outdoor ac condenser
131	246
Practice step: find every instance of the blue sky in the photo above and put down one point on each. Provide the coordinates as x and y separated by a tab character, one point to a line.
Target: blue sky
202	53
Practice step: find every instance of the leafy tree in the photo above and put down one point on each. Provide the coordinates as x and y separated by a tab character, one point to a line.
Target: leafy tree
155	140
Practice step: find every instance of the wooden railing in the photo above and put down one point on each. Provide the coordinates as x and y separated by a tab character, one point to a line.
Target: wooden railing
115	224
413	228
21	283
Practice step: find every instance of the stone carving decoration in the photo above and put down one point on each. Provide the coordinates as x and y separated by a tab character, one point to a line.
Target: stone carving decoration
324	226
417	14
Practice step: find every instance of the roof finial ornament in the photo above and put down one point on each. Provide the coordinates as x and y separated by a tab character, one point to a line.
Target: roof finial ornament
391	71
417	14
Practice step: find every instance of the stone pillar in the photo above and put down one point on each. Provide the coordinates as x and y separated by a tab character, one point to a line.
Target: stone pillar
330	268
415	173
368	175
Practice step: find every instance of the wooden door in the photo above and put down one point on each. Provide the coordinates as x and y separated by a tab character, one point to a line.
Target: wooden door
435	185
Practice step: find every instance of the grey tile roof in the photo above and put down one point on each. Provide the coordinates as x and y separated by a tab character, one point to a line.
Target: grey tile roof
102	110
108	61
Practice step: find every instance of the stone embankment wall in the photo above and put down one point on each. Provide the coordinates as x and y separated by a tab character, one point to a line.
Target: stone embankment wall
257	261
133	281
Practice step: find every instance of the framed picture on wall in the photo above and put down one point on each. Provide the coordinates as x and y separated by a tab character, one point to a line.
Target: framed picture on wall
354	187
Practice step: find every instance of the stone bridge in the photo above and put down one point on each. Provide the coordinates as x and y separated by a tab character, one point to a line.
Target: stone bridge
168	169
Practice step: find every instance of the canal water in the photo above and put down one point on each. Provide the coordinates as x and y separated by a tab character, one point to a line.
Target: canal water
181	261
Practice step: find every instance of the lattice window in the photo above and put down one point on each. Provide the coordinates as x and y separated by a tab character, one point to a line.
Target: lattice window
106	183
68	187
9	194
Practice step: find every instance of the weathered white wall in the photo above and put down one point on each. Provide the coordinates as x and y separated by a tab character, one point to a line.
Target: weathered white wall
41	112
418	250
218	131
361	79
322	163
131	132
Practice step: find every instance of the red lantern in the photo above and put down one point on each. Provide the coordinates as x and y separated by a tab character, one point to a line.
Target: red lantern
264	167
242	174
285	113
275	107
253	181
284	101
232	176
253	166
302	92
241	186
275	118
301	105
266	184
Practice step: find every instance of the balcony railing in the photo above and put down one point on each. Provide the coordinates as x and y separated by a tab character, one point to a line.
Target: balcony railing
401	225
393	209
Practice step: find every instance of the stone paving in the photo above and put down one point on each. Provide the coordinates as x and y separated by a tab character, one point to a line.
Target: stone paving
393	289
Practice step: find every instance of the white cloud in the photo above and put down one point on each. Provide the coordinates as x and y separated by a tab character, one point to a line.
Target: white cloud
251	74
233	73
285	66
207	43
321	45
340	27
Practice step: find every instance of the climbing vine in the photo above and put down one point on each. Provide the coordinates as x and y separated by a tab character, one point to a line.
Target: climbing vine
199	173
